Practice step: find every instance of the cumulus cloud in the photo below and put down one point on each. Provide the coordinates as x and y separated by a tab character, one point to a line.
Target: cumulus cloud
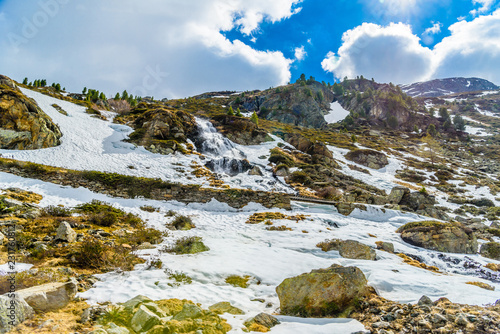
391	53
428	34
473	49
485	6
163	48
300	53
394	53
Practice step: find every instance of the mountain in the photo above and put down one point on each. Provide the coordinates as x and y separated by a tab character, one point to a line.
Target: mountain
441	87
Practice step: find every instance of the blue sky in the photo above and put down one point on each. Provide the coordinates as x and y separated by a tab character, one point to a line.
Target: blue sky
176	48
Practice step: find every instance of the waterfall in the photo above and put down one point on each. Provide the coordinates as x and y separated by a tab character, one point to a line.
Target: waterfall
223	154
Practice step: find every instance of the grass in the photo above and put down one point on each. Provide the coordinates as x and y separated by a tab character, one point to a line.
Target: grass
482	285
182	223
187	245
56	211
93	254
428	224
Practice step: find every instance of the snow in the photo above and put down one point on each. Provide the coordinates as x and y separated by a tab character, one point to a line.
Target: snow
337	113
480	132
237	248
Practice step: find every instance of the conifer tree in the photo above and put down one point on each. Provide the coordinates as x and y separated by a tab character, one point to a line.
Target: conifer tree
230	111
238	112
84	91
117	96
254	118
25	81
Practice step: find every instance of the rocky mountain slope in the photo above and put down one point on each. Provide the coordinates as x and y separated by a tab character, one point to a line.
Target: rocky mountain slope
23	125
201	217
441	87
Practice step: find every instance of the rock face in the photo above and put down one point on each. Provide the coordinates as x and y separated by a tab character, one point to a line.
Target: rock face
491	250
397	194
23	125
229	166
13	310
442	237
66	233
368	158
323	292
440	87
49	297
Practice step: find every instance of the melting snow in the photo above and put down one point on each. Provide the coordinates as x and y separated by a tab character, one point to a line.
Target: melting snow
337	113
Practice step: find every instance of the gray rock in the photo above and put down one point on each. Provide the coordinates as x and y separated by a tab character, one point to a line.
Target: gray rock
189	311
66	233
352	249
225	307
437	318
397	194
491	250
131	304
3	239
255	171
111	328
144	319
381	324
49	297
263	319
424	300
13	311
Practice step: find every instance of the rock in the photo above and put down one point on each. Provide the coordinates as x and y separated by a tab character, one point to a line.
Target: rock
13	311
424	300
438	319
229	166
323	292
282	171
225	307
369	158
442	237
417	200
131	304
461	320
189	311
144	319
385	246
262	319
111	328
352	249
92	313
2	239
482	202
255	171
23	125
51	296
66	233
397	194
491	250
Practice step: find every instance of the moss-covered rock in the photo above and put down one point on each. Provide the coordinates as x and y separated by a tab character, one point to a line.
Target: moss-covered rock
491	250
23	125
333	291
369	158
443	237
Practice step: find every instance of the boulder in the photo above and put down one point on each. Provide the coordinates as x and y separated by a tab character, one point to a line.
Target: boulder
369	158
2	239
255	171
66	233
385	246
225	307
229	166
23	125
13	311
352	249
397	194
262	322
442	237
324	292
491	250
189	311
144	319
49	297
417	200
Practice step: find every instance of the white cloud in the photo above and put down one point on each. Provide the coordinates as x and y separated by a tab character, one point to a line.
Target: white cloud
116	44
473	49
427	35
391	53
485	6
300	53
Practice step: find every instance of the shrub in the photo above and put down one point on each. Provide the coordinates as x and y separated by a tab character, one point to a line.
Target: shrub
149	208
56	211
182	223
330	193
143	235
92	254
187	245
170	213
105	219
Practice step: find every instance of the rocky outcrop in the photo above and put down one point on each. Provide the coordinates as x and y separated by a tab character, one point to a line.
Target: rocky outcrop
240	130
397	194
13	311
491	250
23	125
442	237
49	297
369	158
323	292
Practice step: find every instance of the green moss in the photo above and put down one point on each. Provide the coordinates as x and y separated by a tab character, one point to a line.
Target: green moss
425	224
187	245
238	281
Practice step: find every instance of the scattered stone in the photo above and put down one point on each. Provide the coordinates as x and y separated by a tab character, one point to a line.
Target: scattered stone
51	296
385	246
66	233
262	322
144	319
2	239
352	249
424	300
189	311
397	194
255	171
323	292
491	250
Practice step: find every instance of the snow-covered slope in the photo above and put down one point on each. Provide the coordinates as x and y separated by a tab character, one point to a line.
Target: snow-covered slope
441	87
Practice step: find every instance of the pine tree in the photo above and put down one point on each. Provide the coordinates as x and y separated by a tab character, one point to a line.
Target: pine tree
58	87
415	128
443	113
117	96
459	123
102	96
125	95
25	81
43	83
230	111
238	112
431	130
84	91
254	118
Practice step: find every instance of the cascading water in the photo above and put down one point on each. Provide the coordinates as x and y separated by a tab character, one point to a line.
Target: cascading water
225	157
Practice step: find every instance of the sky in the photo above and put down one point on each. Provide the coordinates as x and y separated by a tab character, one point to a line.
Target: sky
180	48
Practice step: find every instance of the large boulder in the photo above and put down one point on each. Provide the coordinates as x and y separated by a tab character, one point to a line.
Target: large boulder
369	158
23	125
442	237
491	250
417	200
350	249
49	297
397	194
66	233
324	292
13	311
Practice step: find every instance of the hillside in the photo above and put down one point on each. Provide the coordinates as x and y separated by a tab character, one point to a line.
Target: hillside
194	216
441	87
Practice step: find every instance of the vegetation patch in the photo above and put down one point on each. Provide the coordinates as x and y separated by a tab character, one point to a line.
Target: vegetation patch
413	262
259	217
187	245
182	223
238	281
482	285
